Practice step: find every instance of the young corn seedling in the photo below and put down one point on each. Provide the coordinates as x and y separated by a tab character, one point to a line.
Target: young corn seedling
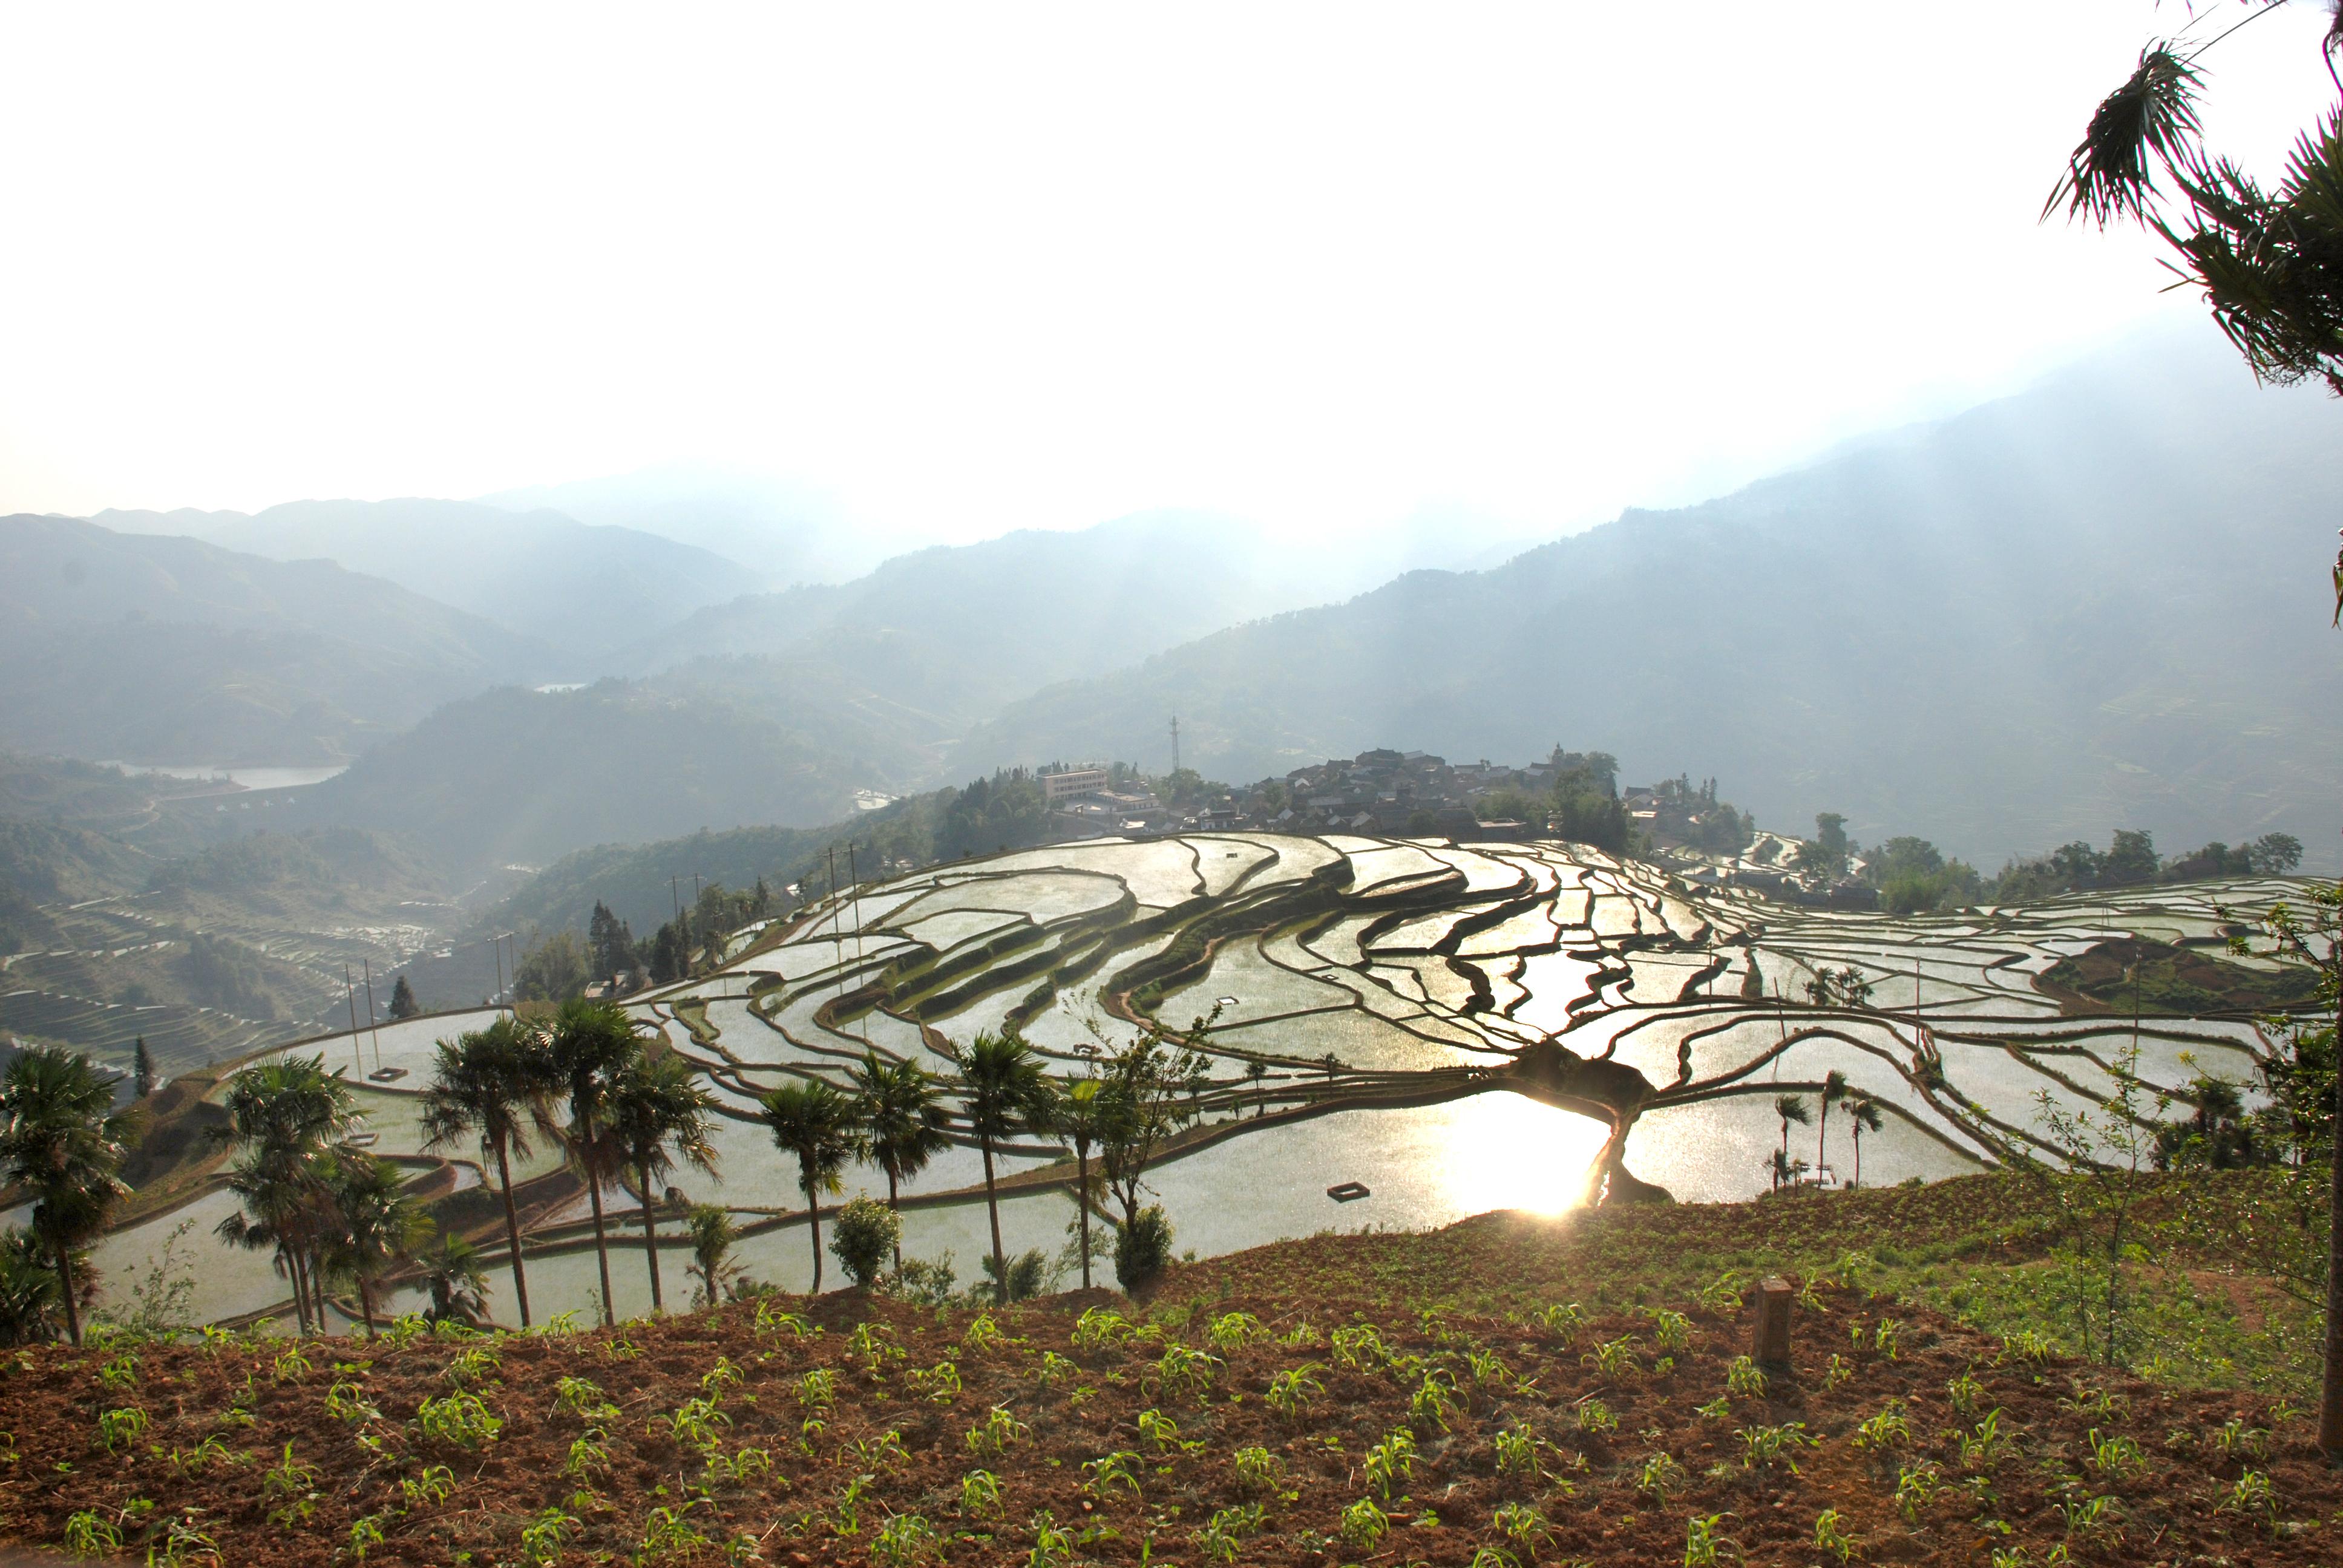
1234	1331
541	1538
1595	1418
1430	1406
1966	1395
772	1320
1359	1348
1706	1544
582	1398
1100	1328
1564	1323
121	1429
1518	1450
979	1495
1110	1471
1258	1470
1391	1463
1226	1531
292	1485
1671	1331
1292	1390
1916	1486
1887	1430
1764	1447
2116	1458
1180	1371
1661	1475
1525	1526
1613	1361
1831	1535
1364	1525
589	1455
458	1421
994	1435
905	1540
2253	1496
1744	1380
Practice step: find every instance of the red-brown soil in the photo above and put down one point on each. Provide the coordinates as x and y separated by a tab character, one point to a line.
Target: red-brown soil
832	1491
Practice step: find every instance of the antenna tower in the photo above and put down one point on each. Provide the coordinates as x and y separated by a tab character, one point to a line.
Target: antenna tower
1175	743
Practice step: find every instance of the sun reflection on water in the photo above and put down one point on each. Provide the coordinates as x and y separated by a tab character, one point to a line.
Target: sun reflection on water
1506	1151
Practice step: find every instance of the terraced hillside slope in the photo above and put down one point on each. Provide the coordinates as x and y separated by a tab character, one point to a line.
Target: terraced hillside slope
1454	1028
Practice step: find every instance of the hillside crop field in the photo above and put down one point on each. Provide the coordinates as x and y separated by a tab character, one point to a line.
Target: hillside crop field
1511	1390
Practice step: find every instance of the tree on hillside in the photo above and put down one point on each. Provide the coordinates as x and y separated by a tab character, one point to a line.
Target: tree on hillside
609	944
592	1045
62	1143
1790	1108
2274	854
142	1069
1003	1092
402	1001
2130	860
903	1120
661	1117
491	1087
2270	265
817	1124
289	1119
1827	853
552	970
1079	1119
1587	809
375	1228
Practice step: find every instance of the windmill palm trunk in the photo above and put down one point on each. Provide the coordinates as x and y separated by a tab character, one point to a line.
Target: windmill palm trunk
992	1212
892	1208
1082	1203
1822	1136
65	1278
813	1228
365	1304
300	1278
650	1241
2330	1388
512	1233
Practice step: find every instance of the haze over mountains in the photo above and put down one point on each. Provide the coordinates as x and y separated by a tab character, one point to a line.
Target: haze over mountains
581	588
2090	605
2099	602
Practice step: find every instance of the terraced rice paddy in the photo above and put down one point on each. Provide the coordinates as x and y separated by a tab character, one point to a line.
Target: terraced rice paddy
1389	1012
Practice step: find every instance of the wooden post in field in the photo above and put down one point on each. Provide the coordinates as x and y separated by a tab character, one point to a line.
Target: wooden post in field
1769	1338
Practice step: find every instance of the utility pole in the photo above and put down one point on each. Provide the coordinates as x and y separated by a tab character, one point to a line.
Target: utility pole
1175	743
497	943
349	994
374	1025
837	932
854	880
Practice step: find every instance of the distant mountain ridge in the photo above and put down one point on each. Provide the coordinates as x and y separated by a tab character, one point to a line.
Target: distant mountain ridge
580	587
166	649
2099	603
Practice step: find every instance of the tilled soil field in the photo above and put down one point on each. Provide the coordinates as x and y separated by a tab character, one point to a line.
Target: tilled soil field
1290	1405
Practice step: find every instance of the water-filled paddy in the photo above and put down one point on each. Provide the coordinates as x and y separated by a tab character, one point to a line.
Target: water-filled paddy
1373	964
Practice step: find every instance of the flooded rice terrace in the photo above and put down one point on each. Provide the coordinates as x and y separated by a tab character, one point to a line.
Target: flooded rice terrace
1455	1028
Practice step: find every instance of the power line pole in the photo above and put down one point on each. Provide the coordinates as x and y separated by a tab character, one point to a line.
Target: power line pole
374	1025
1175	743
349	993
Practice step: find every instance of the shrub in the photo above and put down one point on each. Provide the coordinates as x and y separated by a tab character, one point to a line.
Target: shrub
863	1237
1142	1247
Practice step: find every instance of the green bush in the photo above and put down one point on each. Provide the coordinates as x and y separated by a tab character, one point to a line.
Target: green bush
1142	1247
864	1239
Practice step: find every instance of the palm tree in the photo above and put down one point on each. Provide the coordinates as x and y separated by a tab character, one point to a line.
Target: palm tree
816	1122
1080	1120
1003	1092
377	1226
289	1116
61	1141
591	1045
1257	1071
712	1236
1866	1112
1789	1107
1833	1090
659	1115
494	1085
901	1110
458	1285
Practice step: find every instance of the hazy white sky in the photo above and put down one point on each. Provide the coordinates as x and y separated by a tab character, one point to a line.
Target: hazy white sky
969	267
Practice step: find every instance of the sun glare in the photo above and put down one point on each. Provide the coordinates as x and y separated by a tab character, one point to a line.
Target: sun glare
1509	1151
